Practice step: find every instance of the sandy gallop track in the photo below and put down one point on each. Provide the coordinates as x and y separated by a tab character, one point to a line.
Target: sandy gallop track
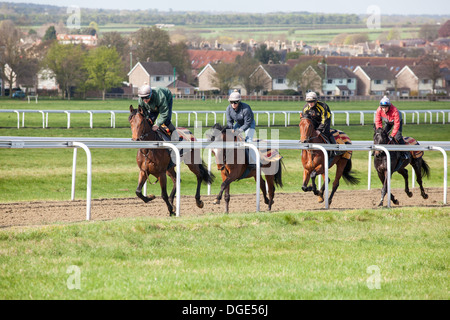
47	212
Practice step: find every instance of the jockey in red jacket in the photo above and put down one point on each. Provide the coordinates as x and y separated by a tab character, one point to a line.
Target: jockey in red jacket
390	115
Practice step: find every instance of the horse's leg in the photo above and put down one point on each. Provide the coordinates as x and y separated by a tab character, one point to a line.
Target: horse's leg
417	165
306	176
322	190
340	166
271	190
382	176
163	184
142	179
404	173
227	198
313	182
173	175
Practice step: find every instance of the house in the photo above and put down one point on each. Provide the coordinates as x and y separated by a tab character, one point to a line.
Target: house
416	80
156	74
181	88
338	81
46	80
87	40
273	77
374	80
205	79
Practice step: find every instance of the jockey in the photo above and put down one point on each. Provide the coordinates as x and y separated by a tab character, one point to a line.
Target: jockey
320	112
390	115
240	116
156	102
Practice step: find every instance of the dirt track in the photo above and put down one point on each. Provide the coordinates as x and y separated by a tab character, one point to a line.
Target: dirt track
47	212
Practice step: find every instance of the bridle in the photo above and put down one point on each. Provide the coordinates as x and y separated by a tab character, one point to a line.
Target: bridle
311	137
143	136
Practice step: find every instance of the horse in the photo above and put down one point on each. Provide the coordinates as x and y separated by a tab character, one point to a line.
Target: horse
397	164
156	162
232	167
313	161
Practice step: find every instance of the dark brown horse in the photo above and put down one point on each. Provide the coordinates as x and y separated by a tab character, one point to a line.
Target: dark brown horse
235	167
156	162
397	164
313	162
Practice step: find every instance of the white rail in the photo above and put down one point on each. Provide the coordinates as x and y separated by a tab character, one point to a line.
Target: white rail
86	143
270	115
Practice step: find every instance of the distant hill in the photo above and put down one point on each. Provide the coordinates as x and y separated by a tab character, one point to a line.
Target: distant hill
28	14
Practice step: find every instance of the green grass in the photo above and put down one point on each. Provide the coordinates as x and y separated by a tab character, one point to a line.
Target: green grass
285	255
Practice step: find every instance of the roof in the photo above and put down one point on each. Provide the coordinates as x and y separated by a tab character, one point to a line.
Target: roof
200	58
337	72
392	63
277	70
378	72
180	84
155	68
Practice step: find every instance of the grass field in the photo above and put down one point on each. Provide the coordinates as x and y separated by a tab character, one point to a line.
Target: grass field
400	253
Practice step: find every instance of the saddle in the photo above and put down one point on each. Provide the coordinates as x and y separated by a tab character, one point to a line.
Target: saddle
413	142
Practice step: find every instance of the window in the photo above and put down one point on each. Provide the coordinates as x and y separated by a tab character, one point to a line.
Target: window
330	81
349	80
280	81
187	91
425	81
378	81
157	78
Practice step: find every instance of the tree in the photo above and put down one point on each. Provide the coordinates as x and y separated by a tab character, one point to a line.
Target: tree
50	34
431	63
10	53
394	34
306	76
444	31
152	43
429	32
245	66
66	61
225	77
264	55
104	69
115	40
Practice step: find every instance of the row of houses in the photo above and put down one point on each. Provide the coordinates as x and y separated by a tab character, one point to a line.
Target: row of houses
333	77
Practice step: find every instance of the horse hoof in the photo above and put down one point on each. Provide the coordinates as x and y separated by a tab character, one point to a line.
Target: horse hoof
216	202
200	204
380	204
425	196
396	202
409	194
320	200
172	214
266	201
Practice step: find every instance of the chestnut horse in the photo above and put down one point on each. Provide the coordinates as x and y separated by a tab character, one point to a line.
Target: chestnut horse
313	162
156	161
398	164
233	168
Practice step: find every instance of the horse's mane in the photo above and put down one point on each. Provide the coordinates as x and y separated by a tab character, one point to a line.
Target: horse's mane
218	126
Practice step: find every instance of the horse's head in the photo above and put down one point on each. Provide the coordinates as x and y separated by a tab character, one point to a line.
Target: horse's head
307	129
220	133
380	136
140	128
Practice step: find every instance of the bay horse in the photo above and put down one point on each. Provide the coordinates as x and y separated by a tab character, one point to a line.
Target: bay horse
313	161
233	167
398	164
156	161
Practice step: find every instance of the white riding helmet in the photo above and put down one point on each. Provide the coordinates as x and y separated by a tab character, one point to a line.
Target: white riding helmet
311	96
145	91
385	102
235	96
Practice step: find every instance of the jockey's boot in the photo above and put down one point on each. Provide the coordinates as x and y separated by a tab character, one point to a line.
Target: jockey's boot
404	154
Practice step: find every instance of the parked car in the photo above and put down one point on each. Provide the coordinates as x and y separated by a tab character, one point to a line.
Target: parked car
19	94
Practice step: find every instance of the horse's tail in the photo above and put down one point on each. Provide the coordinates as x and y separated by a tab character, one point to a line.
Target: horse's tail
348	174
277	178
207	176
425	169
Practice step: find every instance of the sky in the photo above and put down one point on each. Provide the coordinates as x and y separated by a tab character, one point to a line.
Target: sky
388	7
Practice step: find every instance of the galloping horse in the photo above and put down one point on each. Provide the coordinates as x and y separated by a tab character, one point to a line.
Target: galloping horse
156	162
398	164
232	168
313	161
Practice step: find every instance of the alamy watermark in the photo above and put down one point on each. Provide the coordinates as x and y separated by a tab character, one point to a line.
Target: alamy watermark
374	19
74	280
74	19
374	281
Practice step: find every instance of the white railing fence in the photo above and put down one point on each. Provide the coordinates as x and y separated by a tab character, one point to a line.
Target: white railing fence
87	143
